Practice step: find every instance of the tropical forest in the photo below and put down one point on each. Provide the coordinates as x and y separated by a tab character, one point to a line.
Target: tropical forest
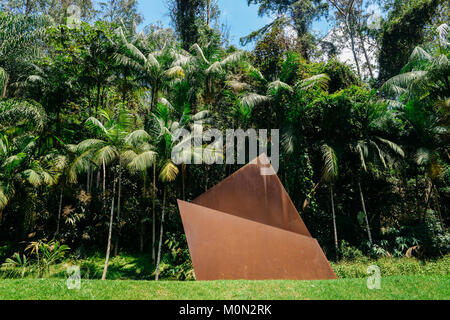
92	100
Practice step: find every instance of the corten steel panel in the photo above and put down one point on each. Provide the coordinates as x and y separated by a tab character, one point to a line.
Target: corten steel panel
250	195
248	228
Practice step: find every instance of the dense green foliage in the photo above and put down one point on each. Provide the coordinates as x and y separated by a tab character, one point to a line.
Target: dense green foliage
90	112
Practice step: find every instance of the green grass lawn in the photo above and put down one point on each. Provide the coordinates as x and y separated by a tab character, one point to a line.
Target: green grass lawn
397	287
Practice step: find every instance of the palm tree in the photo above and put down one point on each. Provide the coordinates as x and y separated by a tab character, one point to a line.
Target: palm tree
209	68
329	175
20	121
419	94
168	170
155	70
20	43
141	157
429	132
277	91
425	73
66	165
167	132
116	139
372	146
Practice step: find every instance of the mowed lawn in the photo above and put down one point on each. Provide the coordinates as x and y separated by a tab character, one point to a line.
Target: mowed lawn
400	287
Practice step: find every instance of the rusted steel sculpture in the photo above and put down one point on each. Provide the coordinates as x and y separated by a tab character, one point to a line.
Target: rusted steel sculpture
247	227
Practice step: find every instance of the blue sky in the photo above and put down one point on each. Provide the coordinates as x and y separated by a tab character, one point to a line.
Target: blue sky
239	18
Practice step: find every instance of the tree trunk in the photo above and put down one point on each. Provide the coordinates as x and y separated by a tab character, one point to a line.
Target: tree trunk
59	211
97	103
111	220
161	235
104	184
87	180
154	215
205	172
352	39
97	183
365	213
366	55
27	7
438	207
142	220
428	196
5	86
336	243
141	237
91	181
208	12
116	247
417	192
183	176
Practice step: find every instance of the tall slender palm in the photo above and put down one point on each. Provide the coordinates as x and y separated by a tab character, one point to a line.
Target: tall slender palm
141	157
168	170
372	146
116	137
329	175
67	165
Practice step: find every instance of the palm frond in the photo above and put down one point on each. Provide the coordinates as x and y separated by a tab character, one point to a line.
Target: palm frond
320	80
274	87
195	47
151	63
423	156
443	31
393	146
137	137
89	144
169	172
32	177
420	54
361	148
175	72
107	154
401	82
254	99
142	161
330	168
233	58
95	125
214	68
128	62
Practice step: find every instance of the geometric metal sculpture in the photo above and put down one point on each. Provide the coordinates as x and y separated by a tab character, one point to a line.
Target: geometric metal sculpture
247	227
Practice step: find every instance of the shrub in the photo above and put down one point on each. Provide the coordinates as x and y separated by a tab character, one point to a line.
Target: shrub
392	267
437	238
347	252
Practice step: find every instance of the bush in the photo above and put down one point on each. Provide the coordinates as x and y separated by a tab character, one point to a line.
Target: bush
347	252
5	251
392	267
176	263
437	238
